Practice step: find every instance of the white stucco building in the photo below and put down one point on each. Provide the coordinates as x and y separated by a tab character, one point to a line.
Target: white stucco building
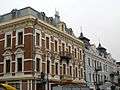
99	65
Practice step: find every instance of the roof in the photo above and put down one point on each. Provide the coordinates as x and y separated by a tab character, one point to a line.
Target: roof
25	12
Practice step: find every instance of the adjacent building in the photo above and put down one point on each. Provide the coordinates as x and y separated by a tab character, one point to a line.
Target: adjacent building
39	52
99	66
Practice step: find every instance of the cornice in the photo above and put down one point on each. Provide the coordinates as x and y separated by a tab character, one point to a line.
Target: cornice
29	21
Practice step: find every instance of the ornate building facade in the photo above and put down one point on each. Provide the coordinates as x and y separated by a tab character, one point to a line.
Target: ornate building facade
99	66
38	52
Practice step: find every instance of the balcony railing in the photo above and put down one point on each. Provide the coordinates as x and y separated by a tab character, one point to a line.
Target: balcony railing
112	74
66	77
65	56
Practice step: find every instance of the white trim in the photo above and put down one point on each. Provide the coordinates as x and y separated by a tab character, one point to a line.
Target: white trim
31	84
20	84
28	85
2	62
35	85
27	34
2	39
27	59
13	37
17	31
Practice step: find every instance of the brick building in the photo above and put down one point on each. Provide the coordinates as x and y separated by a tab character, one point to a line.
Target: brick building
38	52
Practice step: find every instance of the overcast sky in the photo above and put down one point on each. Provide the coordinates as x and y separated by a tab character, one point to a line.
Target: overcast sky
100	19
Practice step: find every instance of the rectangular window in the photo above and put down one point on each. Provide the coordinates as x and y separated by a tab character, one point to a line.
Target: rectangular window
75	53
52	67
81	72
69	50
47	42
80	54
20	38
8	41
90	77
48	66
55	45
64	69
56	68
37	64
37	39
43	67
19	64
7	66
76	72
63	47
59	48
52	46
60	70
43	44
71	70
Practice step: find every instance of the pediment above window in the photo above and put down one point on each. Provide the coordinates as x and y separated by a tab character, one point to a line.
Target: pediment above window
7	53
19	51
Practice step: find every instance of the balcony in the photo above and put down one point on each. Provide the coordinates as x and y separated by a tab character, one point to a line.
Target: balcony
65	56
100	83
99	68
66	77
112	74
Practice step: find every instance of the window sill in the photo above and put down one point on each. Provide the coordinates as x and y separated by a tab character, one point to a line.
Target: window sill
7	74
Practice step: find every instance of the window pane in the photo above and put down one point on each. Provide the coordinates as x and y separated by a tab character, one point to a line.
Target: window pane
56	68
8	41
47	42
81	73
43	44
52	67
19	62
48	66
37	39
71	70
7	66
43	67
38	64
55	45
20	38
64	69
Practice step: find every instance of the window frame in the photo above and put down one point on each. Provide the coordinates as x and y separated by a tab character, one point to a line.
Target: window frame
8	33
18	31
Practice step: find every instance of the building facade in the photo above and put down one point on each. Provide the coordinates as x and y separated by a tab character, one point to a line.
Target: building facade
99	66
39	52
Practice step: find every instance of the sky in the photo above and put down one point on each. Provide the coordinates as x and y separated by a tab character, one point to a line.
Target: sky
99	19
